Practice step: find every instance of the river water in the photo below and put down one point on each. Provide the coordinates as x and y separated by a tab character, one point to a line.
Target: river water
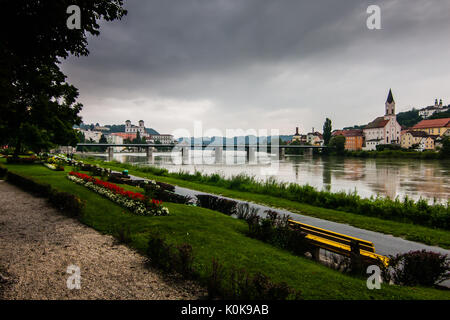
392	178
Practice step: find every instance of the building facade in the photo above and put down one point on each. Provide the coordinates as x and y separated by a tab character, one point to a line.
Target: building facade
162	138
430	110
436	127
383	130
130	128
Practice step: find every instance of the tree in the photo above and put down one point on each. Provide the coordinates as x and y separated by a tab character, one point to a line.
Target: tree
103	140
445	151
327	132
338	143
38	107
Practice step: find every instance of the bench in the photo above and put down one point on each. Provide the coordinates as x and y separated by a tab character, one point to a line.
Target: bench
338	243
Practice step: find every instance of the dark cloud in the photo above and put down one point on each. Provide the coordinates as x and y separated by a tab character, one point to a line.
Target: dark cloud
261	63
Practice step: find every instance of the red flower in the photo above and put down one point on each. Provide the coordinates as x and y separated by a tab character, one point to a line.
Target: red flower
114	188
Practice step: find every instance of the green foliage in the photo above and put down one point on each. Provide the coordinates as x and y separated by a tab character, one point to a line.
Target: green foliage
423	268
327	132
445	151
440	115
411	154
382	147
296	151
409	118
38	107
338	143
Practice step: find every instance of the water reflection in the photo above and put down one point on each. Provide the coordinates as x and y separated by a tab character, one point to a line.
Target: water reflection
369	177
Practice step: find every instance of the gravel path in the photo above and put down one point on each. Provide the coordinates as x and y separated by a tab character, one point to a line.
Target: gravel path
37	244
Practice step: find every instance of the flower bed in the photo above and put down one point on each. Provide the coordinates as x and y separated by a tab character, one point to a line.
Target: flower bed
134	201
55	167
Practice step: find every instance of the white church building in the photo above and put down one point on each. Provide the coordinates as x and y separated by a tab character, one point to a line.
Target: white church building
383	130
129	128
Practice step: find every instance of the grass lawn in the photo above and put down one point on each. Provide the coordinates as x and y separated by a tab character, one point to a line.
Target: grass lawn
427	235
213	234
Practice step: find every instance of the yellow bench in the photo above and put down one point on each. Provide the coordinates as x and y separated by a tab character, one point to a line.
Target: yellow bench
338	243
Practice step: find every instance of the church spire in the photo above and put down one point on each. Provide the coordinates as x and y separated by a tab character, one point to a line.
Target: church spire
390	105
390	98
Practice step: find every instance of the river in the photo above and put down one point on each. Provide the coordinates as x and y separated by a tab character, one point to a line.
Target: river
392	178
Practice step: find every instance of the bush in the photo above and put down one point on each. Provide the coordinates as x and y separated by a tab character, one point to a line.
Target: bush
243	210
274	229
65	202
169	258
29	185
239	284
26	160
164	192
423	268
223	205
124	234
3	172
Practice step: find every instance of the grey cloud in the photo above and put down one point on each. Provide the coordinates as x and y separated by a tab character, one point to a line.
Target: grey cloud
252	58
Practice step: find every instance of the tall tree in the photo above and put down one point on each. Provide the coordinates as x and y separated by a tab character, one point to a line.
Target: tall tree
38	107
327	132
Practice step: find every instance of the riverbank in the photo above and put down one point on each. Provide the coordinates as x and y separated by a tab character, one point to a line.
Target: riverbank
408	231
215	235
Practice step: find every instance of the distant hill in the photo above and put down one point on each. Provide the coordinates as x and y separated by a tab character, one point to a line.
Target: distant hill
409	118
440	115
248	139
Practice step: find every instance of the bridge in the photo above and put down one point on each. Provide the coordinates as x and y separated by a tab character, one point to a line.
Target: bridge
184	148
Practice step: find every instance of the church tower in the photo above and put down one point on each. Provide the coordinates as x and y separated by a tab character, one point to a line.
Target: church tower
390	105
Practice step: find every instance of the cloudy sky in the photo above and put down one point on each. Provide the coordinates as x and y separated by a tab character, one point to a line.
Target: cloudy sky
255	64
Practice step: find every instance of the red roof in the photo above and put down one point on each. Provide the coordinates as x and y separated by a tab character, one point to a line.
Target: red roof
353	133
379	122
434	123
125	135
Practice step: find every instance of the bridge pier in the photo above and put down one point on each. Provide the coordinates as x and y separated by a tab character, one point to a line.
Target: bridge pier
218	154
110	153
251	154
184	154
149	152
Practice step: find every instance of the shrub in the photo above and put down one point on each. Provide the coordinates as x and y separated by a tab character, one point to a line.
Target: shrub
124	234
274	229
3	172
239	284
243	210
26	160
29	185
418	268
185	260
169	258
160	253
163	192
223	205
215	280
67	203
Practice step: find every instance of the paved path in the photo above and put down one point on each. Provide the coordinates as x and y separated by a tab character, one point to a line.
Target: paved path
384	244
38	243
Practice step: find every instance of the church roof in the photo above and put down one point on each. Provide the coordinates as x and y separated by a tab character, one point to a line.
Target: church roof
379	122
390	98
